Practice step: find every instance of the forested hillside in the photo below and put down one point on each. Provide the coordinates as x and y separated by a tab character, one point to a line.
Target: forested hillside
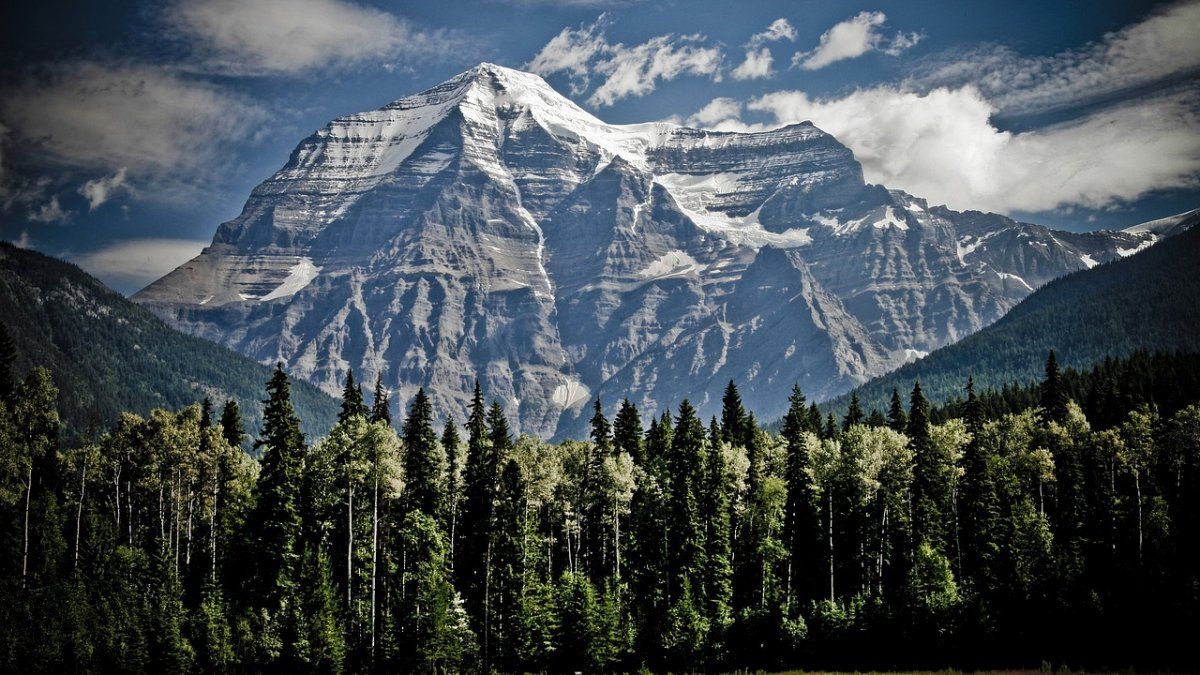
1148	301
1039	538
109	355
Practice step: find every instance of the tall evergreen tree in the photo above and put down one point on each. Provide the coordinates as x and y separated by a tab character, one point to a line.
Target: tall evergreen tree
381	404
352	399
424	485
897	419
627	432
854	415
733	416
931	476
685	528
1053	394
274	525
715	510
801	523
232	428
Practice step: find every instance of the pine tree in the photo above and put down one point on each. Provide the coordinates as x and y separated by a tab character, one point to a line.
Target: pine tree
232	428
381	404
876	419
801	525
685	528
831	427
931	476
627	432
854	415
352	399
508	569
816	423
422	459
1053	394
274	525
715	510
733	416
897	419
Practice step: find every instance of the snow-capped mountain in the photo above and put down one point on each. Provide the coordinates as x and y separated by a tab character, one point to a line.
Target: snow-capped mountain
490	228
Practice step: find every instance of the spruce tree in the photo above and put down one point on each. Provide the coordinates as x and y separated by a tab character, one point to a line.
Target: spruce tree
352	399
897	419
232	428
508	570
801	524
733	416
686	478
816	423
854	415
381	404
1053	394
422	459
627	432
715	510
274	525
931	476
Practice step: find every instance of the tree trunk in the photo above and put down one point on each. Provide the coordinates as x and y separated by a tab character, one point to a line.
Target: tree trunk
25	536
79	511
349	541
830	501
374	556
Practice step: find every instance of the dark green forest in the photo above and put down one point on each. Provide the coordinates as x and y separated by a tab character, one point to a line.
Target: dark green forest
1063	533
110	355
1146	302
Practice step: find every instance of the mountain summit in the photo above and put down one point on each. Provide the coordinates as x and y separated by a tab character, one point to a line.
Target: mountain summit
489	228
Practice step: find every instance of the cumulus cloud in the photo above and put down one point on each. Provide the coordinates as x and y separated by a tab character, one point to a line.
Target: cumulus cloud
1161	47
757	63
143	118
290	36
130	265
99	190
852	38
50	213
625	71
942	145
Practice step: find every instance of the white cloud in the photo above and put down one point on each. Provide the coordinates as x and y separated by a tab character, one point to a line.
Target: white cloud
1160	47
99	190
780	29
715	112
626	70
853	38
152	121
290	36
757	63
943	146
51	212
572	51
129	265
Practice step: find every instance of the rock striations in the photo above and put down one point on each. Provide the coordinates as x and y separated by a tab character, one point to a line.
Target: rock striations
490	228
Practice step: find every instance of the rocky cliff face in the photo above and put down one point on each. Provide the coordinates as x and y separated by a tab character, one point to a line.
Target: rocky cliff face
489	228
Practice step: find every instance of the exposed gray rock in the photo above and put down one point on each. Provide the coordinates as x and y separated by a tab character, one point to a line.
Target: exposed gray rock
489	228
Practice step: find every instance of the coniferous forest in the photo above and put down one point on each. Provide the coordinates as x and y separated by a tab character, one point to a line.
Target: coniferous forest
1044	536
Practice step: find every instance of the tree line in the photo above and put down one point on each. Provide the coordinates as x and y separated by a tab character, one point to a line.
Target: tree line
881	540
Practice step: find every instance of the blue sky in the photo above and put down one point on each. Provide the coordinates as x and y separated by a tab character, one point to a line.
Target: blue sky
130	130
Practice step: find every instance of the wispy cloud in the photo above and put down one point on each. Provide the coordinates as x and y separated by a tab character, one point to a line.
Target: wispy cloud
854	37
624	71
50	213
132	264
99	190
758	61
1160	48
247	37
145	119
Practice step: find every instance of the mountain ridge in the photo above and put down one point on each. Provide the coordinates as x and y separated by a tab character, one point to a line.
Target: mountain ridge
489	228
